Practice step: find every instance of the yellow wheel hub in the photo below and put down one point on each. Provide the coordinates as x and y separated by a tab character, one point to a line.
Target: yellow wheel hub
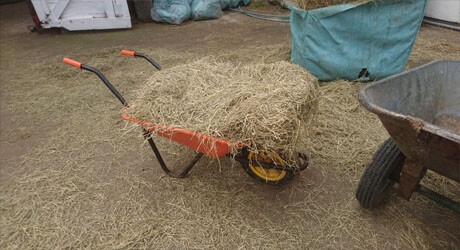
266	157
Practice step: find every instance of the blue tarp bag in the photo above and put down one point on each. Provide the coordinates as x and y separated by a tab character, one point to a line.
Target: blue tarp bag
170	11
371	40
177	11
225	4
206	9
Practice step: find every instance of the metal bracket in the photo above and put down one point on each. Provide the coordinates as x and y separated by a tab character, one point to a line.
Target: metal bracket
439	198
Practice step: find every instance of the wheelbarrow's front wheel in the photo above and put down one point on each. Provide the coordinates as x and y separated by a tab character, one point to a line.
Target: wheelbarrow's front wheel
380	175
270	176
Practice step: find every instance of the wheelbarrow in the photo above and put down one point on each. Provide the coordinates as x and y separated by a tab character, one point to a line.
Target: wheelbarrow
263	165
420	109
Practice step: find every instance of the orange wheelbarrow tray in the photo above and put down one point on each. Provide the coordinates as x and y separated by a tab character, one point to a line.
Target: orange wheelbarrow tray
213	147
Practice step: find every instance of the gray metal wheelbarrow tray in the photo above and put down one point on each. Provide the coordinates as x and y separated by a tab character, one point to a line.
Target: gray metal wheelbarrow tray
420	109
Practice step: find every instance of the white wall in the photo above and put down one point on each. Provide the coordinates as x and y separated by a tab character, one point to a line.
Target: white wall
447	10
83	14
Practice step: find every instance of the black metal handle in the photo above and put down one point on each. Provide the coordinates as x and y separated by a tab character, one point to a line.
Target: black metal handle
133	53
107	83
99	74
155	64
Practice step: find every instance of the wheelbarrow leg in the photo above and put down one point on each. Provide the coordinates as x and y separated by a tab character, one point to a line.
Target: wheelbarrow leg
411	175
163	164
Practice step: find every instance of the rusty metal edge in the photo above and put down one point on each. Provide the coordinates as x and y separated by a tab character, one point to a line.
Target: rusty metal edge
427	126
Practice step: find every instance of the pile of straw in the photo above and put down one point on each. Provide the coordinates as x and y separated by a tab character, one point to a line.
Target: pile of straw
315	4
269	106
87	183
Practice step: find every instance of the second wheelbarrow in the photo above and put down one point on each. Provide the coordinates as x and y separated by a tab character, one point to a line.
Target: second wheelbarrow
420	109
263	165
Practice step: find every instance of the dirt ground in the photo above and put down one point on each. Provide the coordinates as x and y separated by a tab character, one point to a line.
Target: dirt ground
73	176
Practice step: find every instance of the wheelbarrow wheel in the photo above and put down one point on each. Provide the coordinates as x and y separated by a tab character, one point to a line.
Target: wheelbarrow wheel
270	176
380	175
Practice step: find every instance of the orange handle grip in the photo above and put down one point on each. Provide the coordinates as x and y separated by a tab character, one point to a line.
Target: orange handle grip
127	53
72	62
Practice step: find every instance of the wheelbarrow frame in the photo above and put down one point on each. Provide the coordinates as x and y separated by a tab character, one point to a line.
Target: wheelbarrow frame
203	144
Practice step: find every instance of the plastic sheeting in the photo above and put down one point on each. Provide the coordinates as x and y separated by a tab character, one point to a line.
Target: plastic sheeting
177	11
170	11
206	9
370	40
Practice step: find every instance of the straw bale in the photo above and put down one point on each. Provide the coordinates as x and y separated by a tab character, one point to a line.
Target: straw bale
266	106
315	4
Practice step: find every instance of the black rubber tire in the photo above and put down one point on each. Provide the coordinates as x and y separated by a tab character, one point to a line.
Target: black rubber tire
380	175
286	179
